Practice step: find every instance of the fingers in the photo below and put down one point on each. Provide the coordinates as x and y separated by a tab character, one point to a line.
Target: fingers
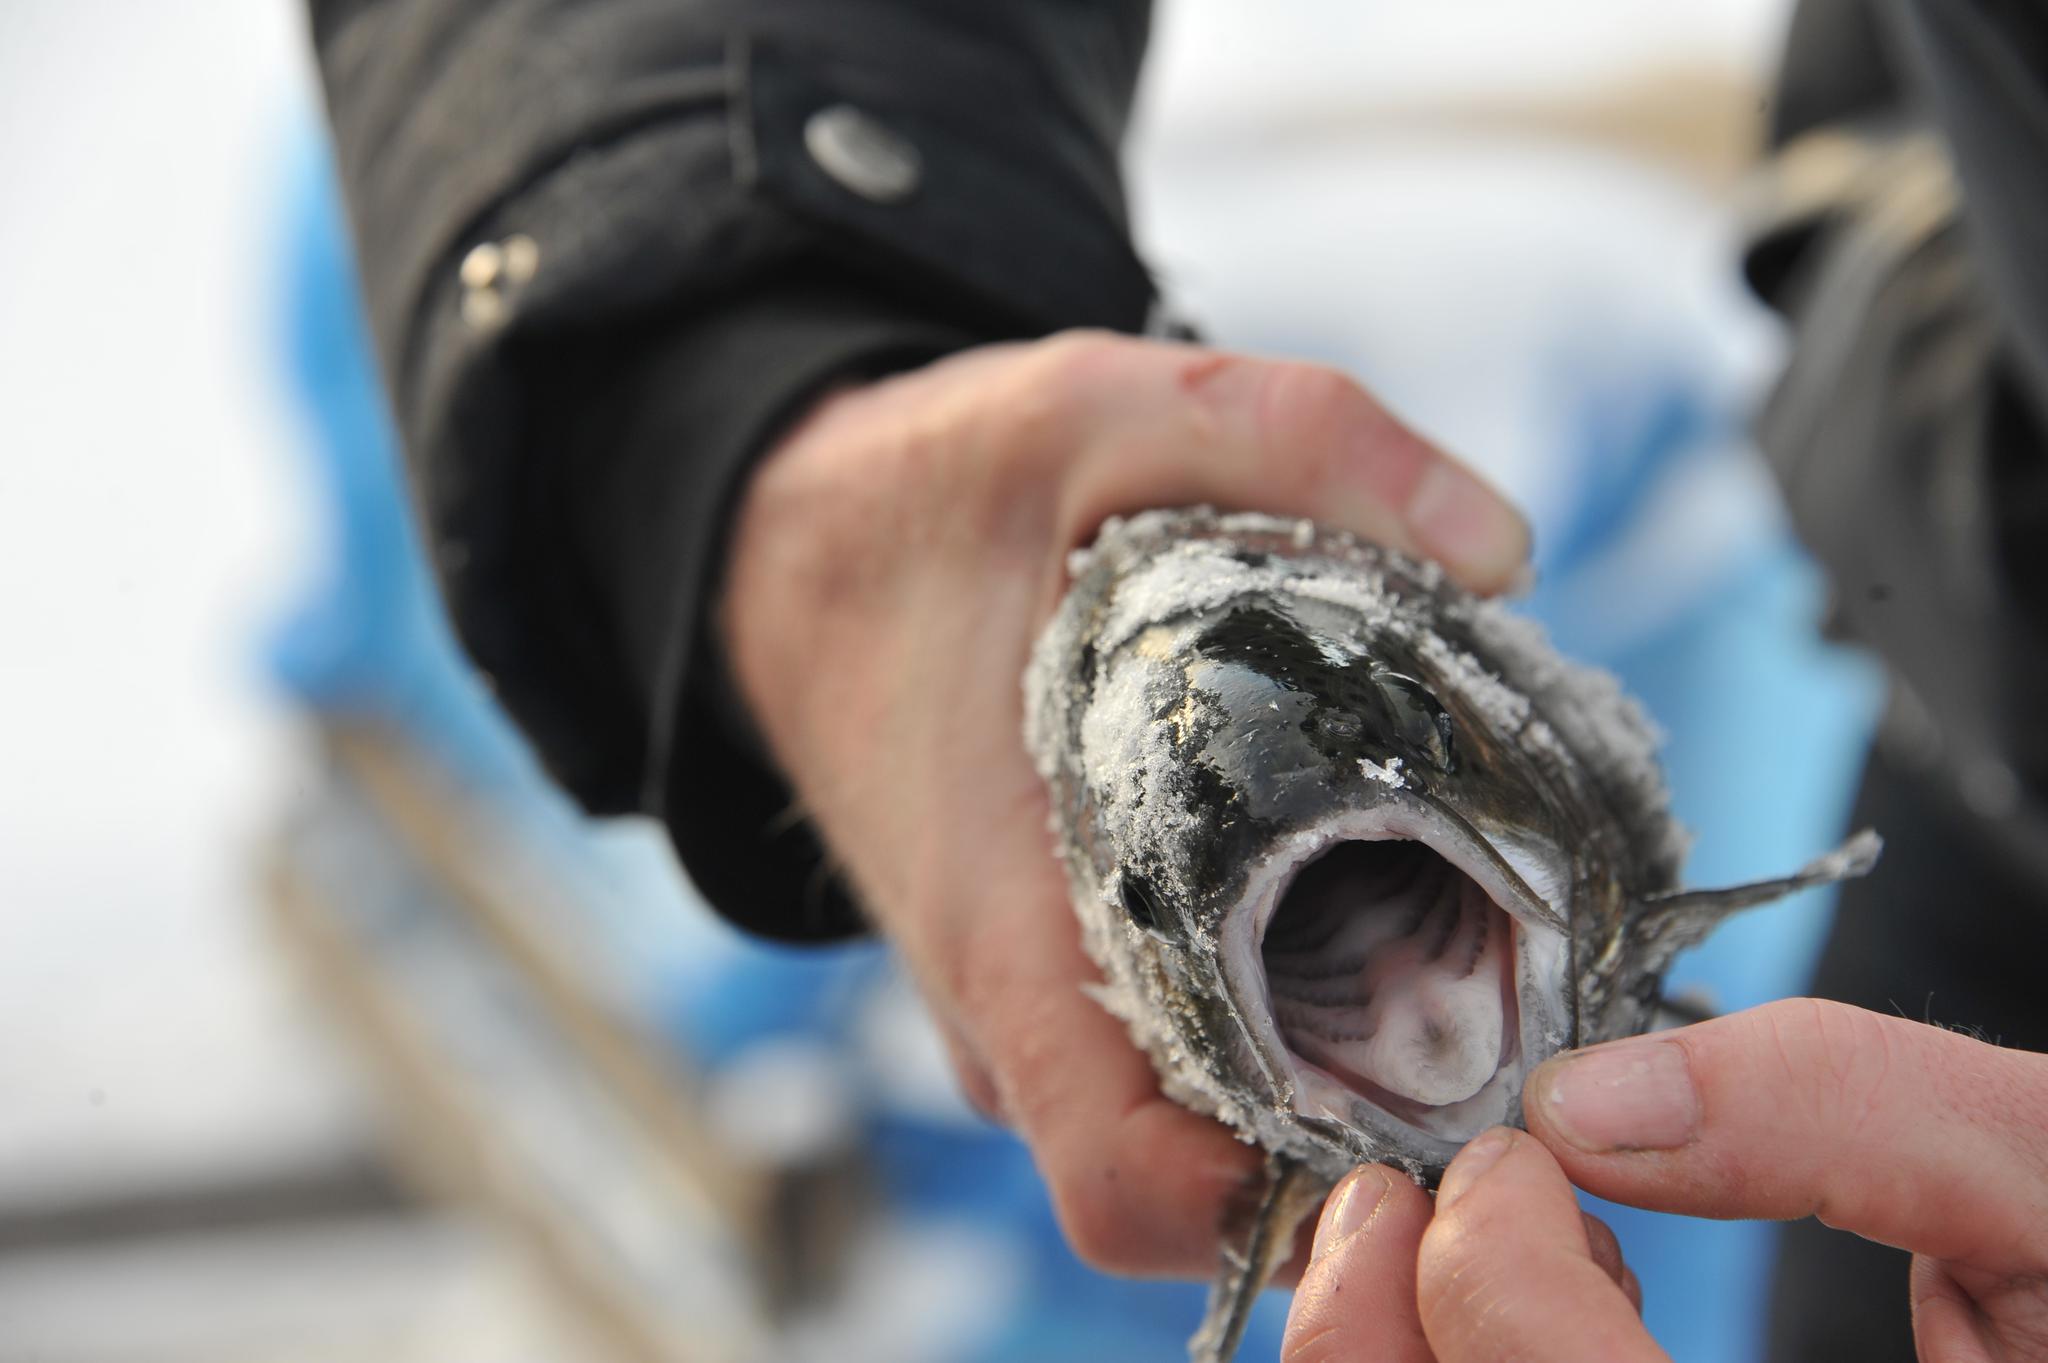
1967	1315
1900	1132
1139	1183
1949	1322
1285	437
1606	1251
970	1071
1507	1268
1357	1296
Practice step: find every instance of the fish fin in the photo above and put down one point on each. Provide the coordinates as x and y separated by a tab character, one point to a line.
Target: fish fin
1686	916
1258	1236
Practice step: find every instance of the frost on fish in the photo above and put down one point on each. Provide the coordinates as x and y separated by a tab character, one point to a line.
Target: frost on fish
1354	850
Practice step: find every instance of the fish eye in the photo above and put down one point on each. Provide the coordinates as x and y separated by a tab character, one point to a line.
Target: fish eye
1141	901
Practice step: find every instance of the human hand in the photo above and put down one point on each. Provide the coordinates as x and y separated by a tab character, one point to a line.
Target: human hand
894	558
1903	1133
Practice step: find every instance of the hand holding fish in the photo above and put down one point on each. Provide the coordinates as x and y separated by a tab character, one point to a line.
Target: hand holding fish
1902	1133
893	559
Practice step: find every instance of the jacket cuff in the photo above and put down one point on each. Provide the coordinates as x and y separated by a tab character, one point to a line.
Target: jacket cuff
647	531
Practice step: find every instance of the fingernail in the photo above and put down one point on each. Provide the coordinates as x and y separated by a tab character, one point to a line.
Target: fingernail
1628	1095
1459	519
1481	1153
1357	1200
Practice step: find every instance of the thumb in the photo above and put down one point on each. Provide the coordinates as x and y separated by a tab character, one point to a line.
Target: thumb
1897	1131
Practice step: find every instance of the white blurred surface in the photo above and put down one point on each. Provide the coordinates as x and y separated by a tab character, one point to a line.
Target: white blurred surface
1224	69
1479	209
150	518
396	1290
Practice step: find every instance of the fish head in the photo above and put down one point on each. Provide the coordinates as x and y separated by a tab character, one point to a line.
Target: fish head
1346	881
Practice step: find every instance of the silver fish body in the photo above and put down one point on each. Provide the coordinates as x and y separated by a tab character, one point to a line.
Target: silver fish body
1354	850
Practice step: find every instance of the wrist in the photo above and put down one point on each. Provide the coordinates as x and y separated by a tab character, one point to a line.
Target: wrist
777	573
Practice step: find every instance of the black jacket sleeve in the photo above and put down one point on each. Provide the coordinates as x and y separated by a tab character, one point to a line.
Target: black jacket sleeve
610	247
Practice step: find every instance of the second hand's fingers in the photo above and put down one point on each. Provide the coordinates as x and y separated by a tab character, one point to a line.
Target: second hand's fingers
1357	1297
1901	1132
1508	1269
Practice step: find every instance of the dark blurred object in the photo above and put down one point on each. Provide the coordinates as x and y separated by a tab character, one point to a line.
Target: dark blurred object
1908	430
1899	233
1952	933
1905	438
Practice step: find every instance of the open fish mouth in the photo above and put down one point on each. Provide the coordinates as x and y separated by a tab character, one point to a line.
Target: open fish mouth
1397	975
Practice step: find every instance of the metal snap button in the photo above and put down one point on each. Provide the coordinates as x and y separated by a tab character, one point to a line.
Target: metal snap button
862	155
491	271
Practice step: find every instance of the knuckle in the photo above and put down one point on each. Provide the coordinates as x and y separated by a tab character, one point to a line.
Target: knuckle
1838	1055
1027	419
1319	430
1452	1270
1071	359
1100	1224
2022	1097
1307	407
1833	1069
1313	1340
917	466
2001	1096
979	1090
971	1072
1602	1244
968	978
